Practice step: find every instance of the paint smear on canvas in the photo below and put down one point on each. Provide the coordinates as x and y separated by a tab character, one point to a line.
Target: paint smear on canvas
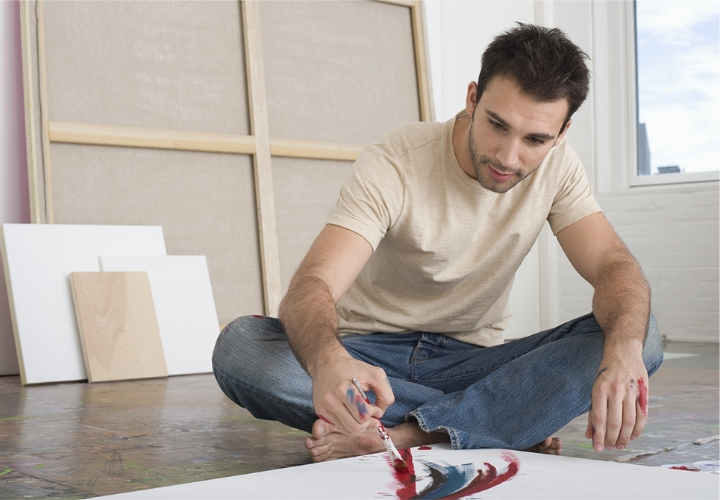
451	481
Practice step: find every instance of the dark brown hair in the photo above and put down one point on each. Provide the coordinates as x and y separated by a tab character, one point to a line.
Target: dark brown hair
542	61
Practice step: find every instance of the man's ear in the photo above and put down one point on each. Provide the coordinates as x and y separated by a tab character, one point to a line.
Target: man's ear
564	131
471	98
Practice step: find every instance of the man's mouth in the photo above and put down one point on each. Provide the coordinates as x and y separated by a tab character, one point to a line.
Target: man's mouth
499	176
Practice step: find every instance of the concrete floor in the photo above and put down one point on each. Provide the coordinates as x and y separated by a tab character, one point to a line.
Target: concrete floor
83	440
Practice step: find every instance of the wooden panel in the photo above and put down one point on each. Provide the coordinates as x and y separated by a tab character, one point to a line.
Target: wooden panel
117	325
170	65
263	174
338	71
204	202
306	193
111	135
31	92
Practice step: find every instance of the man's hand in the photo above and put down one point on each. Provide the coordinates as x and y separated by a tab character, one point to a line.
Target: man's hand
619	402
336	399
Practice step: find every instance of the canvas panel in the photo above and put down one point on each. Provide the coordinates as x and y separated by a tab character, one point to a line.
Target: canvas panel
306	192
338	71
205	203
439	472
174	65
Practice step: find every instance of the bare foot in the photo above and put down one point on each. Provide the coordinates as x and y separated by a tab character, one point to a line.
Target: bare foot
330	443
551	446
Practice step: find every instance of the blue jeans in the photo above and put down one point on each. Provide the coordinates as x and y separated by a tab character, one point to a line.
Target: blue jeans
510	396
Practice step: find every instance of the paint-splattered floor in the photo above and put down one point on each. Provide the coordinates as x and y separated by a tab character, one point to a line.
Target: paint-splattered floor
84	440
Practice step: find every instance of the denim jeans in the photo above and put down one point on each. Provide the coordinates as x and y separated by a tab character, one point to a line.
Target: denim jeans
509	396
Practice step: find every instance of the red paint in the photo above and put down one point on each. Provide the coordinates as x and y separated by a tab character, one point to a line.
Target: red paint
483	481
258	316
425	448
325	420
405	476
684	467
489	479
643	397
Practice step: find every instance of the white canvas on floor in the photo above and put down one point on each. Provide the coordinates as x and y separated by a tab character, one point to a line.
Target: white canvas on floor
38	259
184	305
444	473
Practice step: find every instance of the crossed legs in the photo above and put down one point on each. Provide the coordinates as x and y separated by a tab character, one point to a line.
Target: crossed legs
508	396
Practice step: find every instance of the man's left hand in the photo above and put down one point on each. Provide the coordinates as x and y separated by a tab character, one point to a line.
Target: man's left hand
619	402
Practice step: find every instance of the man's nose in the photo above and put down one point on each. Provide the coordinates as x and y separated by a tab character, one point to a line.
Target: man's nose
508	153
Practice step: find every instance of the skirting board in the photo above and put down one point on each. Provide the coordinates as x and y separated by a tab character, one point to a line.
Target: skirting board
38	259
117	325
444	473
184	305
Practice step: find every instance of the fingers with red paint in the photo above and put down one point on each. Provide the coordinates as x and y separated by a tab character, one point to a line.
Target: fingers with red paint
616	415
641	408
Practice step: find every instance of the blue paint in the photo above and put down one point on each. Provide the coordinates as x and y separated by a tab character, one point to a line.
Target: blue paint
447	479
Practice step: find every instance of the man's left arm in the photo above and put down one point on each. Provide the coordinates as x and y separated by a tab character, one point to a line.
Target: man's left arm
621	304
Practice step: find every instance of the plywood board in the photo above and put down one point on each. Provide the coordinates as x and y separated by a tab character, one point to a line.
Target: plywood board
38	259
117	325
184	305
338	71
444	473
170	65
306	192
205	203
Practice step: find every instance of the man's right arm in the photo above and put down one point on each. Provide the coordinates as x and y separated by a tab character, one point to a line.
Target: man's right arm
309	317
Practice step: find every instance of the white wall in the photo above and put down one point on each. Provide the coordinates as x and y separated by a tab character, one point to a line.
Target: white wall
14	204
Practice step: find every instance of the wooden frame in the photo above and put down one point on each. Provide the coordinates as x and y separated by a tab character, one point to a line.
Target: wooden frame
259	144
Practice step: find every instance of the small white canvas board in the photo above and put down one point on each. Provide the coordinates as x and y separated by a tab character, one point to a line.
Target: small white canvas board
537	476
38	260
184	305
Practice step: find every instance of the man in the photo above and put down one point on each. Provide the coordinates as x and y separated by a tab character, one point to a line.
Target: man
406	288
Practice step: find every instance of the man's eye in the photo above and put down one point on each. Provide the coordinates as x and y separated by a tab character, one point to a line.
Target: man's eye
535	141
496	125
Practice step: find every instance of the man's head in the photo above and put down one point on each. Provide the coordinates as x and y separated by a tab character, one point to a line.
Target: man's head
543	62
532	81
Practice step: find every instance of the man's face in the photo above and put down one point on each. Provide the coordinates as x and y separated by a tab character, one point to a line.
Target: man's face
510	133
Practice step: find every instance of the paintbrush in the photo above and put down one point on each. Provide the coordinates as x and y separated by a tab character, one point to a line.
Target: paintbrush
397	462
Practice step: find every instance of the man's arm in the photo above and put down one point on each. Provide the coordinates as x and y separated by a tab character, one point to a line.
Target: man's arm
309	317
621	304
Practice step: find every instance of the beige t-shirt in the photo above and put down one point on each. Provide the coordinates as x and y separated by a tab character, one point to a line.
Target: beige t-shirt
446	249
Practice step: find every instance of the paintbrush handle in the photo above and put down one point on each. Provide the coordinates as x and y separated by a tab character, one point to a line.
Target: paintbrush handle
389	446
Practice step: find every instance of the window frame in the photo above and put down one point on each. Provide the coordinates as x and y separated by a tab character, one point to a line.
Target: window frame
634	179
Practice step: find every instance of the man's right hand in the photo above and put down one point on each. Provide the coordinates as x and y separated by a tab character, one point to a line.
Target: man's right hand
336	399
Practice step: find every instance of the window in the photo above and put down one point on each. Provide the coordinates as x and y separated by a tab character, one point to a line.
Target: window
677	55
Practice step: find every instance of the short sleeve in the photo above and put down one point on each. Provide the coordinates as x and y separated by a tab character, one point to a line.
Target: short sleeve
372	198
574	198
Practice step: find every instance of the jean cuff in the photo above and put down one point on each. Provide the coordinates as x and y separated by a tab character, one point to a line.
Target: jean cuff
454	437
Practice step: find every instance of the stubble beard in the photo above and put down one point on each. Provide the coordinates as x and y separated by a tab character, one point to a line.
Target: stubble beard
480	165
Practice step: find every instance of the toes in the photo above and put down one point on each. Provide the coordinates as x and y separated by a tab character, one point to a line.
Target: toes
319	429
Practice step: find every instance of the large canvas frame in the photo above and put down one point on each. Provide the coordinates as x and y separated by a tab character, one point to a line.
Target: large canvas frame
49	138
